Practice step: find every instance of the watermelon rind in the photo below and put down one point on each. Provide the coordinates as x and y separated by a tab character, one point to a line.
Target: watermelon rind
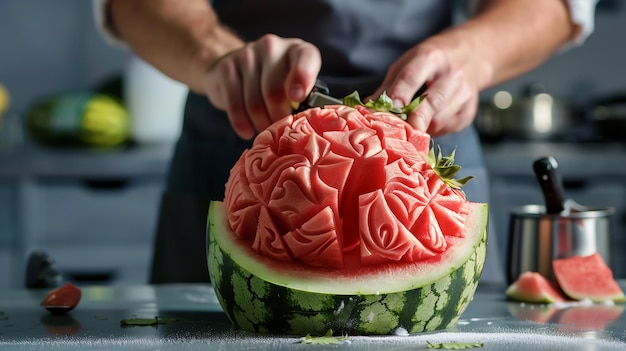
532	287
295	299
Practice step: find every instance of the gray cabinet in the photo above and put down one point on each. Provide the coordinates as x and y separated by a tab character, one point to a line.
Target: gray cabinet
97	232
7	232
95	213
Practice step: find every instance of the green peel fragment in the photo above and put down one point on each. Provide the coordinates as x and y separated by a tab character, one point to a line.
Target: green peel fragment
454	345
147	321
326	339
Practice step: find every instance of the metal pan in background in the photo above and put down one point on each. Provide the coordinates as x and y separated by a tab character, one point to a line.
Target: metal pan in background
608	117
533	116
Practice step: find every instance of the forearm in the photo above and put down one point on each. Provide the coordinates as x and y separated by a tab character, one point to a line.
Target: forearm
513	36
180	38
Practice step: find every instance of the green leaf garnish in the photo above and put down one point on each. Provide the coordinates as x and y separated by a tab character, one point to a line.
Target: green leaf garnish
414	104
353	100
445	168
454	345
384	104
326	339
147	321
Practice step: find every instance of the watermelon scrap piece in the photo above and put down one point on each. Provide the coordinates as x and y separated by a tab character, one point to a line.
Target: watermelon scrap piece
587	277
532	287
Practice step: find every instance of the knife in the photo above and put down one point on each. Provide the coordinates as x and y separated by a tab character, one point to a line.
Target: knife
318	97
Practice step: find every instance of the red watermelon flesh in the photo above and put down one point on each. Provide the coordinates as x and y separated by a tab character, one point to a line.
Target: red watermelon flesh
534	288
587	277
343	187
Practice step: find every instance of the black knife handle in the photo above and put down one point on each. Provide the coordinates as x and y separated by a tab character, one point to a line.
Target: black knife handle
546	171
319	87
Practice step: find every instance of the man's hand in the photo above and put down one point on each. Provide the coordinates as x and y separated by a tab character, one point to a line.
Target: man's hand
452	81
257	84
503	39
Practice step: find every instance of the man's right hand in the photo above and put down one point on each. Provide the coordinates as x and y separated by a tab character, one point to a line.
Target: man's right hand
258	83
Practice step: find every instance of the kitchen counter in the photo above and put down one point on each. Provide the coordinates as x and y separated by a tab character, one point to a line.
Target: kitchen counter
95	324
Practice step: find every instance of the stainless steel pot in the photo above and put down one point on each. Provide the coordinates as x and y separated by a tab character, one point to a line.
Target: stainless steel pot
562	228
536	238
536	115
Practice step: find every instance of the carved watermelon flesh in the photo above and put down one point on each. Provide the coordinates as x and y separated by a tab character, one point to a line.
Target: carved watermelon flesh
335	218
534	288
340	187
587	277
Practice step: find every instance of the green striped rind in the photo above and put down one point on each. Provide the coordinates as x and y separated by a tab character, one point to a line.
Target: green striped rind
257	305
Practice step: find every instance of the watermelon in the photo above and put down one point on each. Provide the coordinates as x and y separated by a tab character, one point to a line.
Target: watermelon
342	218
533	287
587	277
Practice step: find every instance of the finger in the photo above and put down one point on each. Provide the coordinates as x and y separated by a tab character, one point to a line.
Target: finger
456	120
254	104
216	81
454	114
289	76
410	74
273	75
304	62
224	91
439	95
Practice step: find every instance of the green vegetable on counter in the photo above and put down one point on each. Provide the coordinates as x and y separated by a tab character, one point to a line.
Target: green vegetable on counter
454	345
326	339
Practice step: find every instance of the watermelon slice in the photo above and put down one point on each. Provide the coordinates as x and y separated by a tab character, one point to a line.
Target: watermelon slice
587	277
533	287
342	218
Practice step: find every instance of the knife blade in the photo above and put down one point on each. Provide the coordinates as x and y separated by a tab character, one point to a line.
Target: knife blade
318	97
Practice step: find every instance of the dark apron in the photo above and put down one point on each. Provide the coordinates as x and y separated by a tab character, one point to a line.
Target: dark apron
358	42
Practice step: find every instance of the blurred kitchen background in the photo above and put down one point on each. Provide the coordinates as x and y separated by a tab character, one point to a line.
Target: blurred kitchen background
93	207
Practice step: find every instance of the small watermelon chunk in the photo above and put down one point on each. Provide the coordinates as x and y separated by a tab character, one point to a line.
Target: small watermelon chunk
587	277
533	287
